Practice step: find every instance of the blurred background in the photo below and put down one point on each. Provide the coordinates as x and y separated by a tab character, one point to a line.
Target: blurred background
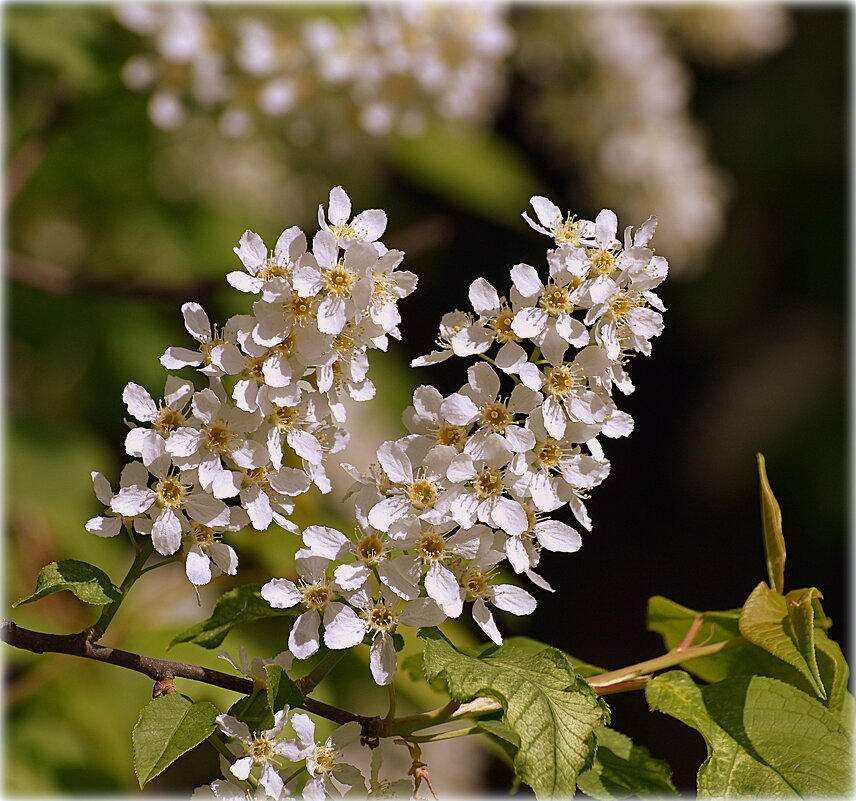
142	141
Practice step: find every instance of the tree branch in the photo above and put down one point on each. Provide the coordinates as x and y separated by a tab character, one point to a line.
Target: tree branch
157	669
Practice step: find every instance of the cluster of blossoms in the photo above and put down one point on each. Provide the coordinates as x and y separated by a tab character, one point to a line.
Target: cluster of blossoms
390	67
238	452
474	482
472	485
269	762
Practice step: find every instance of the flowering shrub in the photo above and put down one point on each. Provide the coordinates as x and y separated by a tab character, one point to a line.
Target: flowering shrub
477	482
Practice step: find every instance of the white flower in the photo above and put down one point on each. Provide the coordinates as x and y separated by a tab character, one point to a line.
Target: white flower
218	354
565	231
328	774
207	557
132	485
367	226
476	579
262	749
255	669
263	268
315	592
380	619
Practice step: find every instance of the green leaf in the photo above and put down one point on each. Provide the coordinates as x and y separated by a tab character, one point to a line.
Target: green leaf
784	627
771	520
168	727
764	738
547	706
89	583
281	690
235	607
834	671
253	710
623	769
474	169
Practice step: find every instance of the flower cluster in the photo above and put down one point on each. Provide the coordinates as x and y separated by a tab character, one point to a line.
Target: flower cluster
391	68
275	759
475	481
237	453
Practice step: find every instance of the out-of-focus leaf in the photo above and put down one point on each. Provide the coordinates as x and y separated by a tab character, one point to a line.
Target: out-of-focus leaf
89	583
774	541
474	169
764	737
784	627
56	36
169	726
623	769
233	608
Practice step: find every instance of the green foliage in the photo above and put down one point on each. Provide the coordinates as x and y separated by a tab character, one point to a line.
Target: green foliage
234	607
281	690
784	627
475	170
168	727
254	710
58	37
764	737
771	519
552	711
89	583
623	769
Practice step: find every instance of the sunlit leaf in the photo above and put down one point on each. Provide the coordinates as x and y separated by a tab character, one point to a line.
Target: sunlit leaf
784	627
547	706
764	738
774	541
89	583
168	727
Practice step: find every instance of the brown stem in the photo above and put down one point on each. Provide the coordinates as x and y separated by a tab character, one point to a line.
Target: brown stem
158	669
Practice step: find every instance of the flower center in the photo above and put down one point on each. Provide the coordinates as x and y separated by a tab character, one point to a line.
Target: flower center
447	434
495	416
170	492
502	327
561	381
567	232
602	263
217	437
339	280
422	493
549	453
324	759
476	583
370	549
168	421
488	483
270	269
285	417
556	300
202	535
622	304
381	618
301	308
260	751
431	546
316	596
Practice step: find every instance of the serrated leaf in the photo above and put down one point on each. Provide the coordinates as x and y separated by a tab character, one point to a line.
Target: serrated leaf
835	672
168	727
623	769
552	710
784	627
764	738
281	690
474	169
771	521
89	583
234	608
